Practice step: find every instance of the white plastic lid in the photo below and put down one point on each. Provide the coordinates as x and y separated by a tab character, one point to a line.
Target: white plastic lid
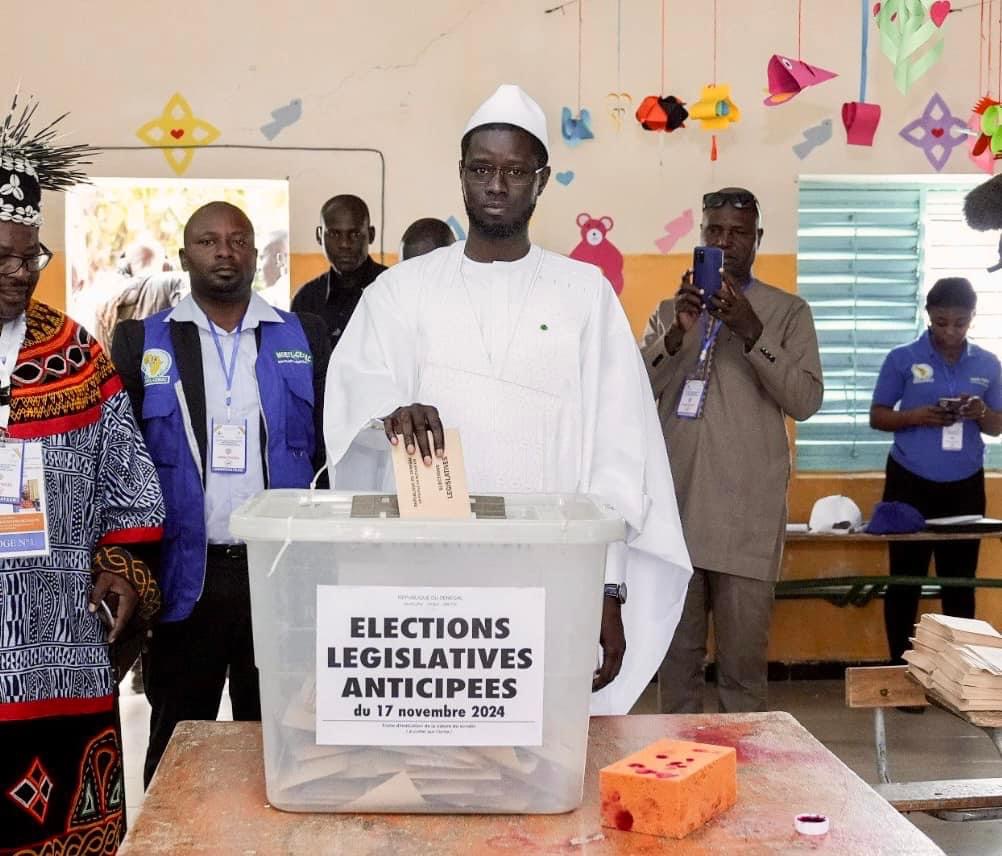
325	515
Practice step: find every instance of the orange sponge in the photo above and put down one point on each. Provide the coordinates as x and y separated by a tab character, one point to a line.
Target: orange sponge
669	788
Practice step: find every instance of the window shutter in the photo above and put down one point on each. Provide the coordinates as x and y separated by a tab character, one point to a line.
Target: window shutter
859	266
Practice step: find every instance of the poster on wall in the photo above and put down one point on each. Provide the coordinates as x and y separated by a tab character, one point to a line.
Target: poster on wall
123	237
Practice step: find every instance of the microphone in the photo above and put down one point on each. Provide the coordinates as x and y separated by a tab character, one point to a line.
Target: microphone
983	211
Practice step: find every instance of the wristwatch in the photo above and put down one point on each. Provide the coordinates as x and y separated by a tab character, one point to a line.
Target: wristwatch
617	591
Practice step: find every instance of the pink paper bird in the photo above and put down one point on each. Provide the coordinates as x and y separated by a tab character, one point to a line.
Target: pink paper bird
787	77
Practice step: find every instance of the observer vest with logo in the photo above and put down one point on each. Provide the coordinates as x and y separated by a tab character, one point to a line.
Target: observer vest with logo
284	370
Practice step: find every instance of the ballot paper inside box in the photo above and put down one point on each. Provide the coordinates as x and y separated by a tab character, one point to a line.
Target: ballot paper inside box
533	583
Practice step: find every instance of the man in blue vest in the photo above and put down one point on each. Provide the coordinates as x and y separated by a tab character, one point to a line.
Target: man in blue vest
228	394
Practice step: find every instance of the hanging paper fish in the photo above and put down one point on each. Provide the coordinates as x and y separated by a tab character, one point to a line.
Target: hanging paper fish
788	77
715	110
662	113
575	129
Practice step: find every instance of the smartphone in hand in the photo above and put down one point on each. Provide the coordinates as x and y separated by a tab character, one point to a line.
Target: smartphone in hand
706	265
953	405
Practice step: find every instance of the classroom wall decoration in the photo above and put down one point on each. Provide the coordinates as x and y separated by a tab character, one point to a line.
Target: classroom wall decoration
814	136
789	77
675	230
979	141
715	110
859	118
662	112
619	104
575	129
596	248
175	131
937	132
911	36
282	117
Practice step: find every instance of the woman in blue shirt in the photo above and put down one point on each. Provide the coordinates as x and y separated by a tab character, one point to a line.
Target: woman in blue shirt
948	392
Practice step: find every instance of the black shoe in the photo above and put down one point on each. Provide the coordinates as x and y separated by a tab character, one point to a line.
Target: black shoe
912	709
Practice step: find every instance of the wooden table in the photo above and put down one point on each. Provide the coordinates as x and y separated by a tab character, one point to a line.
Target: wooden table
208	796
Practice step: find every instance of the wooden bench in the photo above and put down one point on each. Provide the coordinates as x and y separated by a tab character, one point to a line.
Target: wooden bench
859	591
880	687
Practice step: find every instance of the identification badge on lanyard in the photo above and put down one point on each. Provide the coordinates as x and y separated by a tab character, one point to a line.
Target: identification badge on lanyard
690	403
24	521
953	437
229	447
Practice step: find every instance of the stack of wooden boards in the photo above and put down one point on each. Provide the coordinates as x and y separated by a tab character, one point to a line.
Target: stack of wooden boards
959	659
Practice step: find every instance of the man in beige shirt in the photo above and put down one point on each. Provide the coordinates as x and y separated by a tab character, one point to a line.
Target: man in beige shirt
725	376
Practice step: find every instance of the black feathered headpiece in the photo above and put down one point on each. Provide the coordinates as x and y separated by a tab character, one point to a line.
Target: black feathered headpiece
30	161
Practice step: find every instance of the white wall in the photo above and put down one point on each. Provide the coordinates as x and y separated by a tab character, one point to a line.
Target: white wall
404	77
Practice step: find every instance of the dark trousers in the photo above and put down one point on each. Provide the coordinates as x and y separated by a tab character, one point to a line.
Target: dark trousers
911	558
187	661
742	611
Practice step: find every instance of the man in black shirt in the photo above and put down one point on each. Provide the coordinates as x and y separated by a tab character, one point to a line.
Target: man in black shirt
345	236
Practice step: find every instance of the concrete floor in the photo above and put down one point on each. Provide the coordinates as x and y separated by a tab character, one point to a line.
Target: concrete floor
933	745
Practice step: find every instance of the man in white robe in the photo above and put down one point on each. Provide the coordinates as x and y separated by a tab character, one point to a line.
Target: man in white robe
529	354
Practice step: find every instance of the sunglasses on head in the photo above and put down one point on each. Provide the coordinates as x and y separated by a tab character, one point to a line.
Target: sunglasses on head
740	199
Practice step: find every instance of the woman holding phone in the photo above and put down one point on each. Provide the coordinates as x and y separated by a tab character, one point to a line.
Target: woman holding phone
938	395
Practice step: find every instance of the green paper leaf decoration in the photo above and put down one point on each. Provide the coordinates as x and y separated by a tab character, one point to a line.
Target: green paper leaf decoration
911	38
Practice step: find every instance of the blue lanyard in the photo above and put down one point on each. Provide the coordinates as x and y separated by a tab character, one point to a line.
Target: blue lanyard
228	373
710	332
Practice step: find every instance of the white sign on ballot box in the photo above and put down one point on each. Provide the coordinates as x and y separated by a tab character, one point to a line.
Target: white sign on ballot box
423	666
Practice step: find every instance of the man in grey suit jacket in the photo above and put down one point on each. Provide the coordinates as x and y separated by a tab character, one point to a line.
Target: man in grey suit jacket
726	373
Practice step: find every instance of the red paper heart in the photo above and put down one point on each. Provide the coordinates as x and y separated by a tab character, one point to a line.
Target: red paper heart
177	133
938	12
937	132
876	9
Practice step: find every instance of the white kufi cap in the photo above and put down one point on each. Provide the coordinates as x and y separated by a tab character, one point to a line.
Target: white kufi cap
510	105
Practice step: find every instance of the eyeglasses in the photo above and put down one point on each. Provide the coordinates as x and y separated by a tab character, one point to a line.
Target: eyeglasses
515	176
11	264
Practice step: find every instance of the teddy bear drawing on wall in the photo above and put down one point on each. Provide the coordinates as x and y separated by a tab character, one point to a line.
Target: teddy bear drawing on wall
595	248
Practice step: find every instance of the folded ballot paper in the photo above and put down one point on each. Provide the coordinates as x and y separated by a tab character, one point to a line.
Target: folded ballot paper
504	779
434	492
960	659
